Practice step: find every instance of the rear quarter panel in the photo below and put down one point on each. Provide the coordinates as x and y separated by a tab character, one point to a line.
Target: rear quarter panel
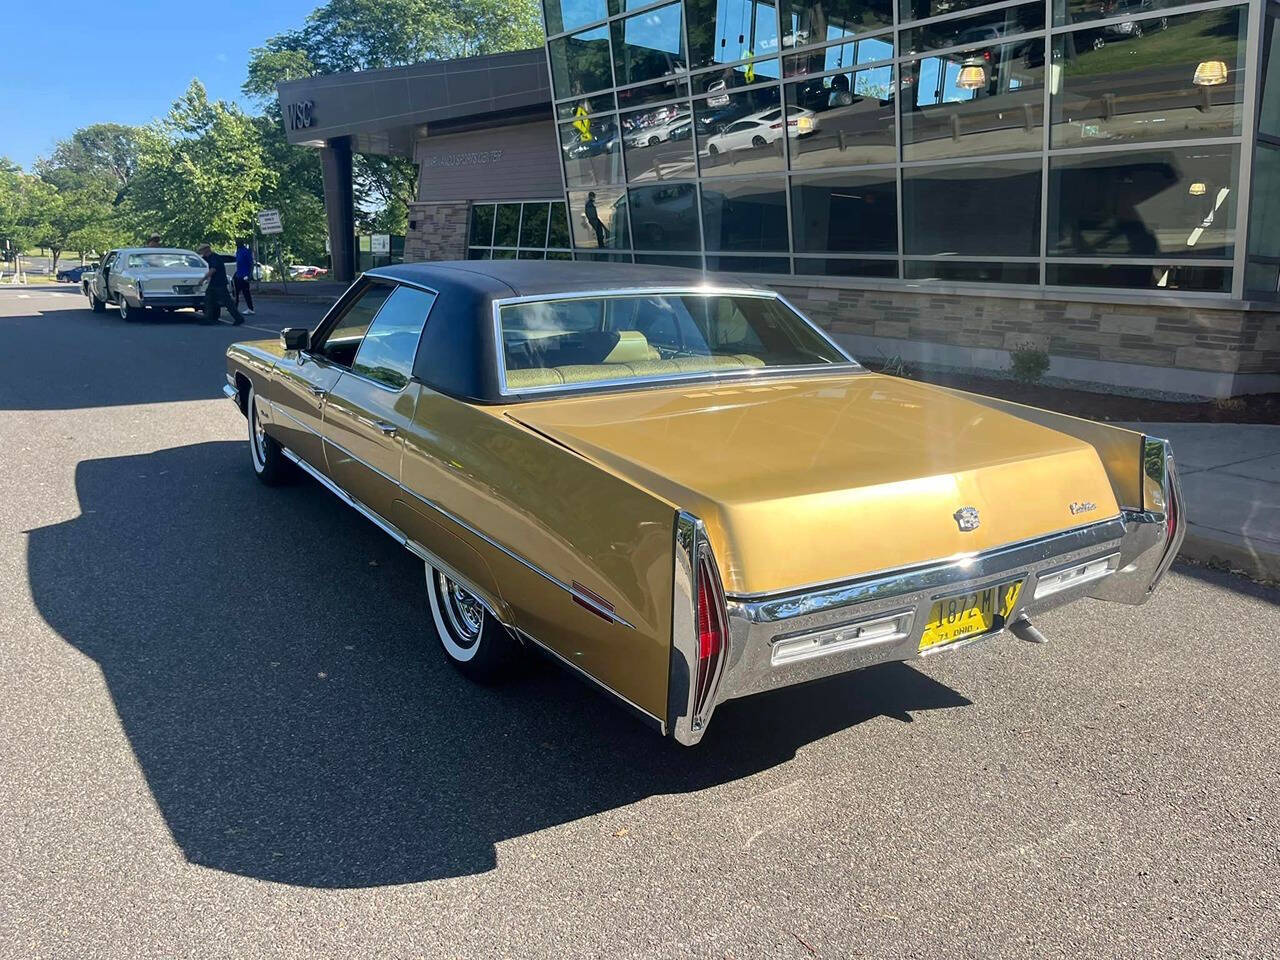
1119	449
571	518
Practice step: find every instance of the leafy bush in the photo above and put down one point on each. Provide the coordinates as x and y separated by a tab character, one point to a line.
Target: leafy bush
1027	363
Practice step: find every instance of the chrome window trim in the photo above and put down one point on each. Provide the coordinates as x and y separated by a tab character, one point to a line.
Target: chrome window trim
711	289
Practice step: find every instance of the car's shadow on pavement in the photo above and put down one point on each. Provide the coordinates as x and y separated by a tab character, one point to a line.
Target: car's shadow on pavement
267	653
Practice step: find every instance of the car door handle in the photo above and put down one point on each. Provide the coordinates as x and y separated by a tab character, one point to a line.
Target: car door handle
388	429
317	391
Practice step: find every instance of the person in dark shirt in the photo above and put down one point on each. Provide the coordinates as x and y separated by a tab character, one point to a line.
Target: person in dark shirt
244	272
216	295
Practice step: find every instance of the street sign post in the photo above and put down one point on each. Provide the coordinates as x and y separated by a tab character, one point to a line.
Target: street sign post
380	243
269	222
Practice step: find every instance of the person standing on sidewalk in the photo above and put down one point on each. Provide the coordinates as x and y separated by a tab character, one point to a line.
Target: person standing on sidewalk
216	295
244	273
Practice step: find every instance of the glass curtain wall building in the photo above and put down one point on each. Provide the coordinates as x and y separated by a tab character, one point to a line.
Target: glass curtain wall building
1065	144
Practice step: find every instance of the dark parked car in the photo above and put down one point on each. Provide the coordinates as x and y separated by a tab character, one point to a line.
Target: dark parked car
74	274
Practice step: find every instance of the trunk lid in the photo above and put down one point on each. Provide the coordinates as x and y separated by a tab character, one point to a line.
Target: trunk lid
811	480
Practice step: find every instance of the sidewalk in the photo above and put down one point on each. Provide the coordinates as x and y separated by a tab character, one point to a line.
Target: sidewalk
1231	482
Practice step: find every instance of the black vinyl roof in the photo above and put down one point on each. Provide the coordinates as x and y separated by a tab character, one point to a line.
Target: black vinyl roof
458	353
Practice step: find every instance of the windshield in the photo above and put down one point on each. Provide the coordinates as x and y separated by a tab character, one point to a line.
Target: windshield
166	261
554	344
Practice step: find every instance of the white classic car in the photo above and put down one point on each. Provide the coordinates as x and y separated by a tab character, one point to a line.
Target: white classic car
140	278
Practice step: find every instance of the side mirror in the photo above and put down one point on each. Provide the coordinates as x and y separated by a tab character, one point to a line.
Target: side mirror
295	338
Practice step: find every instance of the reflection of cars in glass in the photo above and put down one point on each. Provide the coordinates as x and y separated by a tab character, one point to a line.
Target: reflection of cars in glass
527	431
655	133
682	130
651	212
761	129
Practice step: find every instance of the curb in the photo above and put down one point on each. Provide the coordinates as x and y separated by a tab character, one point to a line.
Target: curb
1236	553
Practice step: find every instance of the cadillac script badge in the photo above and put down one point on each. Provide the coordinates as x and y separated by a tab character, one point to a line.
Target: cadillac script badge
967	519
1082	506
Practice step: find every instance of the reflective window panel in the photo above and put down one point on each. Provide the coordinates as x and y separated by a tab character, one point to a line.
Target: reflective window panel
806	22
664	217
649	45
598	218
977	31
585	106
972	271
722	31
749	264
533	225
481	232
562	15
592	151
533	254
975	209
1080	11
842	119
580	63
739	133
1262	280
559	255
845	212
840	55
506	231
745	215
1264	211
987	100
715	82
504	254
1177	202
658	143
667	89
1140	276
672	260
921	9
479	253
1170	78
558	230
1269	110
604	257
846	267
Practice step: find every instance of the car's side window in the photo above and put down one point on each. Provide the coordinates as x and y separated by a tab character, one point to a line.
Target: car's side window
389	347
343	339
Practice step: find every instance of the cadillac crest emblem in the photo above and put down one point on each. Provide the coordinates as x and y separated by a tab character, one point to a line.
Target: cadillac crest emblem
967	519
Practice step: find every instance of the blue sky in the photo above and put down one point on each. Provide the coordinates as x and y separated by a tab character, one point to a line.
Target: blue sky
70	64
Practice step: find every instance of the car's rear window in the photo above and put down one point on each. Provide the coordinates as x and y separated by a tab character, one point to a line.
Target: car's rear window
162	261
554	344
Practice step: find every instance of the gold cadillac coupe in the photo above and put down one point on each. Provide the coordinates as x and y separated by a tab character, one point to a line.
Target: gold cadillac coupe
681	488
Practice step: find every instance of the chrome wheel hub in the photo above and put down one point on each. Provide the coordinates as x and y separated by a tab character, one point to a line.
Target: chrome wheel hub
464	611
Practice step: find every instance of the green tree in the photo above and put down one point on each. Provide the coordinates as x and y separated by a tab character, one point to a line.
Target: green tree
201	173
101	157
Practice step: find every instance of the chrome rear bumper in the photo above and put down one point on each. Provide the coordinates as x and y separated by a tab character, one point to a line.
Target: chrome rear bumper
881	618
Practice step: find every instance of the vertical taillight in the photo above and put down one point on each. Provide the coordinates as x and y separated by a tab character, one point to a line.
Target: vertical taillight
711	635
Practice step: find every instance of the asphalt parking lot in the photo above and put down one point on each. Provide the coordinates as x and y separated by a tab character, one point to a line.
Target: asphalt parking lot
223	734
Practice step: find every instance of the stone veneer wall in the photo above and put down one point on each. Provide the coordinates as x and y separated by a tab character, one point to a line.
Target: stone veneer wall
1175	338
437	231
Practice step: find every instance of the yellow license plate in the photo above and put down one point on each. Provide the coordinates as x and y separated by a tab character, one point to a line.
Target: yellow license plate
969	614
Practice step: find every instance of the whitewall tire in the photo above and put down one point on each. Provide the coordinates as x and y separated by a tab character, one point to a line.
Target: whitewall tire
472	638
270	465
